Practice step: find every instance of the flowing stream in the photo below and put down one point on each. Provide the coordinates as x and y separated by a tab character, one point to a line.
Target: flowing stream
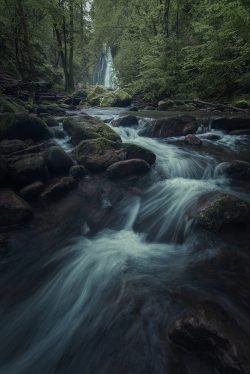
73	301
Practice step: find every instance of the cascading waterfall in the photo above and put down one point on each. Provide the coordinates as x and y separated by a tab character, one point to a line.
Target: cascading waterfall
105	71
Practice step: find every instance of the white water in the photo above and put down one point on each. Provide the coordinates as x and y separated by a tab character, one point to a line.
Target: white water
105	311
110	75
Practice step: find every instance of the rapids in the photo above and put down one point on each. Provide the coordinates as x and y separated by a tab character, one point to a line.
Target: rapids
77	301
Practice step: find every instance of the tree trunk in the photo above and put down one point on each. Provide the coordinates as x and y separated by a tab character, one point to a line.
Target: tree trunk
62	56
71	45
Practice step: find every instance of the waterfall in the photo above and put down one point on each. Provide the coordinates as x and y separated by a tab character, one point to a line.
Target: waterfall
105	74
110	76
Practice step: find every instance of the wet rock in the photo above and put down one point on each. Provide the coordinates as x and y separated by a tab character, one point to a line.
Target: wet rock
172	126
166	104
51	122
240	132
192	140
60	188
211	137
57	159
126	121
133	109
10	146
234	170
136	151
88	128
230	124
129	167
75	101
23	126
219	210
13	209
98	154
32	191
28	169
207	330
78	171
52	109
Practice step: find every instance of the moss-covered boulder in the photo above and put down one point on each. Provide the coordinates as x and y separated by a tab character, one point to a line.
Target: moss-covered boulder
88	128
101	96
12	145
219	210
51	122
23	126
126	121
171	126
98	154
166	104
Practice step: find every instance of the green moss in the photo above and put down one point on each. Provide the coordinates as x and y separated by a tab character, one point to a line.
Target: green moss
244	104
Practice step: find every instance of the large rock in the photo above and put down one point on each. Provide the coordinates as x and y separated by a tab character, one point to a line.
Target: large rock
234	170
192	139
13	209
88	128
208	331
32	191
51	122
220	209
126	121
52	109
10	146
136	151
60	188
57	159
99	154
104	97
23	126
172	126
28	169
129	167
231	124
240	132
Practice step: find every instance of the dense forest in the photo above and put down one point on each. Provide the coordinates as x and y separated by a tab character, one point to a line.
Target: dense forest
124	187
165	48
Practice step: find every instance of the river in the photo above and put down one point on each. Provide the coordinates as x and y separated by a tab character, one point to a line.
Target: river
91	284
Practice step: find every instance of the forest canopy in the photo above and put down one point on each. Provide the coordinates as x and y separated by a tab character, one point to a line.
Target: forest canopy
161	48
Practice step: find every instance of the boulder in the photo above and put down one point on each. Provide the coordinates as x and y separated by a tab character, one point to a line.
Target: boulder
88	128
129	167
231	124
166	104
58	161
52	109
192	139
51	122
234	170
60	188
10	146
211	136
220	209
13	209
98	154
32	191
136	151
171	126
126	121
208	331
28	169
8	105
73	101
23	126
77	171
133	109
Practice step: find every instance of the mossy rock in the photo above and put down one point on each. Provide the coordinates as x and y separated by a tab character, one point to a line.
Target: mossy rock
88	128
10	106
220	210
23	126
166	105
